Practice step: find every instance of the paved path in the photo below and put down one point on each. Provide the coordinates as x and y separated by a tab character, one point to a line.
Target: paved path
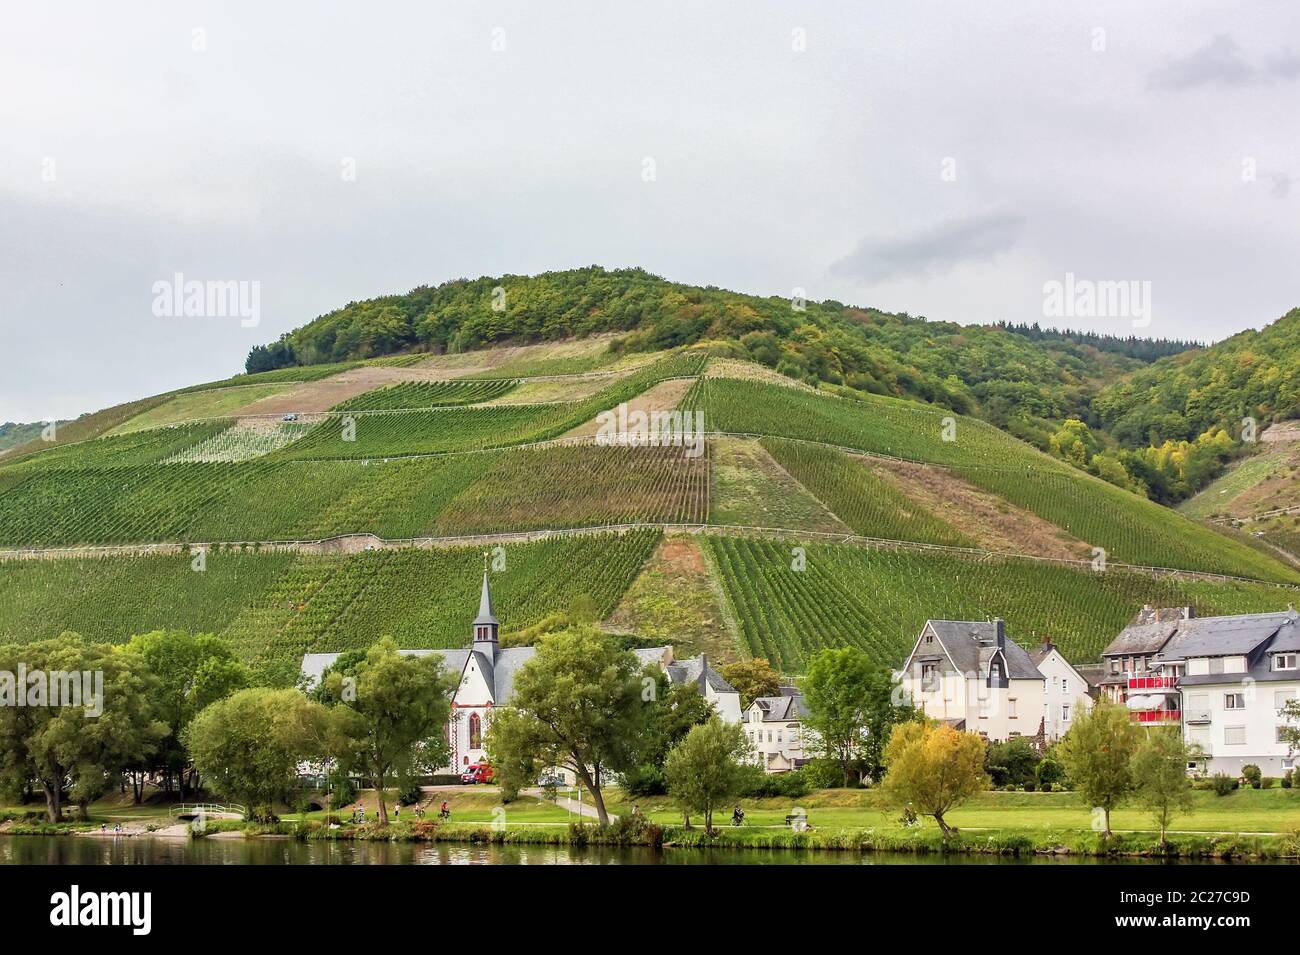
586	809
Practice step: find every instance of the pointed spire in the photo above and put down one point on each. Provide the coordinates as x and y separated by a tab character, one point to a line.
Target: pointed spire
485	615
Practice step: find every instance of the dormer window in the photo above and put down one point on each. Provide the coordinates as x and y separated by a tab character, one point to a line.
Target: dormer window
995	671
1284	661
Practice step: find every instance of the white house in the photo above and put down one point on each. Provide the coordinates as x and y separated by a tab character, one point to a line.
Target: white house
774	727
969	675
487	673
1234	675
1065	690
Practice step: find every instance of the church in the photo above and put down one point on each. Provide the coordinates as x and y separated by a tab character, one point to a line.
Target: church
487	673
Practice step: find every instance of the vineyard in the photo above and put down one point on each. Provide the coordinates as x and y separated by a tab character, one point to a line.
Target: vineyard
878	599
428	394
867	503
475	456
274	607
1128	528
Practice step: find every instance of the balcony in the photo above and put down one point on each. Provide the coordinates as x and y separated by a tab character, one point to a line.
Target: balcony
1153	682
1196	716
1156	716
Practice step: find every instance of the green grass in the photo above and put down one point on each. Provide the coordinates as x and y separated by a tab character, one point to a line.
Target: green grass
1244	811
217	403
878	600
750	489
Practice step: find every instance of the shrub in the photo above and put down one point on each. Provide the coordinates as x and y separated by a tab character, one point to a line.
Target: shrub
758	784
1266	782
1251	773
1049	772
342	788
410	793
644	781
1286	780
822	774
1223	784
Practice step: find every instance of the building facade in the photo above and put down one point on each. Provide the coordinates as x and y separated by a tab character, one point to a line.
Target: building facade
1065	690
968	674
775	729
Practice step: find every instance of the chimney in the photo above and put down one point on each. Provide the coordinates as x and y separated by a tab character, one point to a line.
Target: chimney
1048	645
1000	632
1189	613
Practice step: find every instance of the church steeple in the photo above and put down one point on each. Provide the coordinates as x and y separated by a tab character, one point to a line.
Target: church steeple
486	623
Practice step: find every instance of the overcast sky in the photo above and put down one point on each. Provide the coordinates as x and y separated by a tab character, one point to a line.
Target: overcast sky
945	159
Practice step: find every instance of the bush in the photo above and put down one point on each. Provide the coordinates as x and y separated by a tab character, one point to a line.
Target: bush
760	785
410	793
1049	772
1286	780
1266	782
822	774
1223	784
644	781
1251	773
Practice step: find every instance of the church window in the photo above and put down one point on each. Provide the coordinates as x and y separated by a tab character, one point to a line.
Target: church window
475	732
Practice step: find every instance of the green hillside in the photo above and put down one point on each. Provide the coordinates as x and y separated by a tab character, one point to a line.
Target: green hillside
358	502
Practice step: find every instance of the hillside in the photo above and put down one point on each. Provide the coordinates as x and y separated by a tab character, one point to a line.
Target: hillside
1015	376
810	516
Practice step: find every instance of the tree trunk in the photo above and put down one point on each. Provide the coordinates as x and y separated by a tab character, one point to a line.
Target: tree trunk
379	788
708	822
1106	813
53	810
580	770
947	830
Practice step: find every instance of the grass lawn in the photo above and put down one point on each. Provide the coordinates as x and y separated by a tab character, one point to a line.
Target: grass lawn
470	804
1244	811
217	403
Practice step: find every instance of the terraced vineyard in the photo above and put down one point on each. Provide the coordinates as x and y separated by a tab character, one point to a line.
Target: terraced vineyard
982	524
429	394
276	606
878	599
1128	528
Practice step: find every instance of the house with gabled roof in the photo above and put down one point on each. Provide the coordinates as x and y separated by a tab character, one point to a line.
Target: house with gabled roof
1066	691
774	726
968	674
487	675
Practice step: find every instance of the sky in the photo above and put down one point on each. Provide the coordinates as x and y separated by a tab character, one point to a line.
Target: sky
947	159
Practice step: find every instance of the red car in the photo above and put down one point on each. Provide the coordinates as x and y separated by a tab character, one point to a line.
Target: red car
477	773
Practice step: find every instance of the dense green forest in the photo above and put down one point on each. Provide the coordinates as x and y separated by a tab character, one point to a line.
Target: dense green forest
1160	417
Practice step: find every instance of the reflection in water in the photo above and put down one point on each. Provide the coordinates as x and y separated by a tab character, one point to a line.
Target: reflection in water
80	850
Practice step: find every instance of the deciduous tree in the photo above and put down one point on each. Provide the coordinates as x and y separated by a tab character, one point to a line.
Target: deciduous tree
1160	775
580	703
934	768
706	768
1097	754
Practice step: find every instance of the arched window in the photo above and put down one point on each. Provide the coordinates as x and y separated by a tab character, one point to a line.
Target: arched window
475	732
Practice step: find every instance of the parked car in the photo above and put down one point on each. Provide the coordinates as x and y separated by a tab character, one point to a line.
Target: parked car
290	417
476	773
551	779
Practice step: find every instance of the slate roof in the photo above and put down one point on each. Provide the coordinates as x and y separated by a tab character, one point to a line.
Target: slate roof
697	670
782	709
1256	636
970	645
1148	631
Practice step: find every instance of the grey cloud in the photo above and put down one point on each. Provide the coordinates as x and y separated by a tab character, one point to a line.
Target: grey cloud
934	250
1221	62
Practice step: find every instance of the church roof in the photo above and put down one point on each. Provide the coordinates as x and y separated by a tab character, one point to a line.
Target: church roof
485	614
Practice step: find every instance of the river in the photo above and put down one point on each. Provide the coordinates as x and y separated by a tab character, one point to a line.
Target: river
81	850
